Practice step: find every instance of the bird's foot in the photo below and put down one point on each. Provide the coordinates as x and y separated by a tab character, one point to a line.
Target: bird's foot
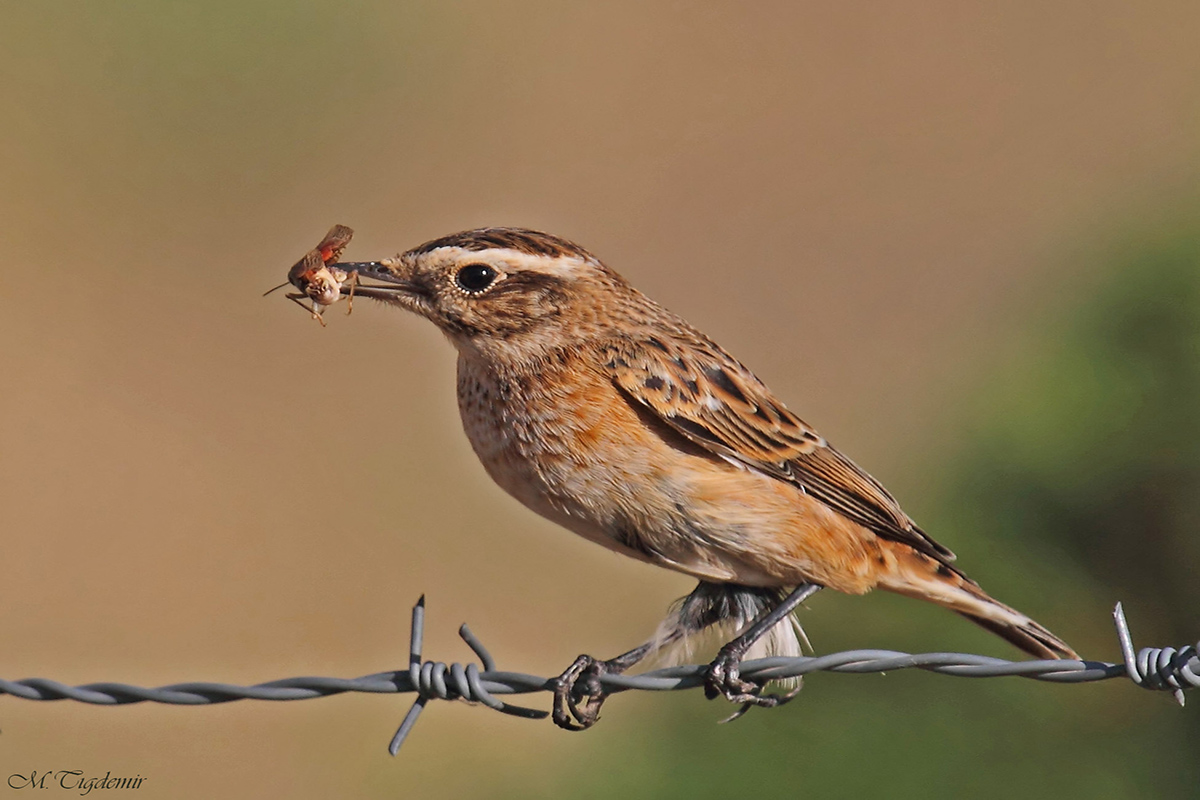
578	694
723	679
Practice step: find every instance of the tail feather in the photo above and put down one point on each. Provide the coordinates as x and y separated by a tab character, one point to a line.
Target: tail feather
1029	636
922	577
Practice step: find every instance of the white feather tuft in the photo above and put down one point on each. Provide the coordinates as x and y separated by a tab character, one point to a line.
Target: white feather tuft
715	614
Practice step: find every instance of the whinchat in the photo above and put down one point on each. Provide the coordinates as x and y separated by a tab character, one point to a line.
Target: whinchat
602	411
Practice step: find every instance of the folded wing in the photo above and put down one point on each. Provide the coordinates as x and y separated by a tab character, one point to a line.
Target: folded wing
706	395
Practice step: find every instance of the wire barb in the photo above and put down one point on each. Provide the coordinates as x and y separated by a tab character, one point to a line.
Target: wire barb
1158	668
428	679
1161	669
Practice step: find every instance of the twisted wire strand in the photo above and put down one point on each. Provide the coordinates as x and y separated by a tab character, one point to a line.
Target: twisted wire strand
1153	668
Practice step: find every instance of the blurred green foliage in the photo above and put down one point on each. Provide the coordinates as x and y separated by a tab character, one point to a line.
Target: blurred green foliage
1093	442
1079	479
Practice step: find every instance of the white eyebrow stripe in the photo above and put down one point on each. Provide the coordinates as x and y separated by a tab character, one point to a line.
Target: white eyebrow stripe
515	260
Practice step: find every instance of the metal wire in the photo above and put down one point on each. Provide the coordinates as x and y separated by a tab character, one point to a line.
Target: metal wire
1160	669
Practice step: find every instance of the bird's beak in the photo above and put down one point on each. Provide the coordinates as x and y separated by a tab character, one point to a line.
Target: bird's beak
397	285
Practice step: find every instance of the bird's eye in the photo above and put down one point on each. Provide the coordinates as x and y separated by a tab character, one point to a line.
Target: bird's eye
475	278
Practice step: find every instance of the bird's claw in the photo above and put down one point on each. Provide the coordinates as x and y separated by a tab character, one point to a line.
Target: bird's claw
578	694
723	679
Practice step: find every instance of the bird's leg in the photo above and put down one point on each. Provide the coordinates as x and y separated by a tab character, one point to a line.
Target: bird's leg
723	676
578	690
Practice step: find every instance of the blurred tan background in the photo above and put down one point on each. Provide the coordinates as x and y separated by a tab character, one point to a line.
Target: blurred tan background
871	207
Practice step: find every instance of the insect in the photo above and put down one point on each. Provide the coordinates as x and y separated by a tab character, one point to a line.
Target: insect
318	279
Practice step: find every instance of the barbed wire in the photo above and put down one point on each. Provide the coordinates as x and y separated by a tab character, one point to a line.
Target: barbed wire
1154	668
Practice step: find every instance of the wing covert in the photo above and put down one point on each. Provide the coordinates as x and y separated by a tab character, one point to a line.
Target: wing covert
706	395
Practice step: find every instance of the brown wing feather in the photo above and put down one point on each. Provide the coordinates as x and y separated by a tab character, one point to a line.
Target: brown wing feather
705	394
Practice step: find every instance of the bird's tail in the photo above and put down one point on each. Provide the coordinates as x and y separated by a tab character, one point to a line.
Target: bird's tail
922	577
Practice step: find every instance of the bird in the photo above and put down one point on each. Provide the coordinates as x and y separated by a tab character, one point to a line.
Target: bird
602	411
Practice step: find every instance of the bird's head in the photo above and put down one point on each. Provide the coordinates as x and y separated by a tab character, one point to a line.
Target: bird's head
506	293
